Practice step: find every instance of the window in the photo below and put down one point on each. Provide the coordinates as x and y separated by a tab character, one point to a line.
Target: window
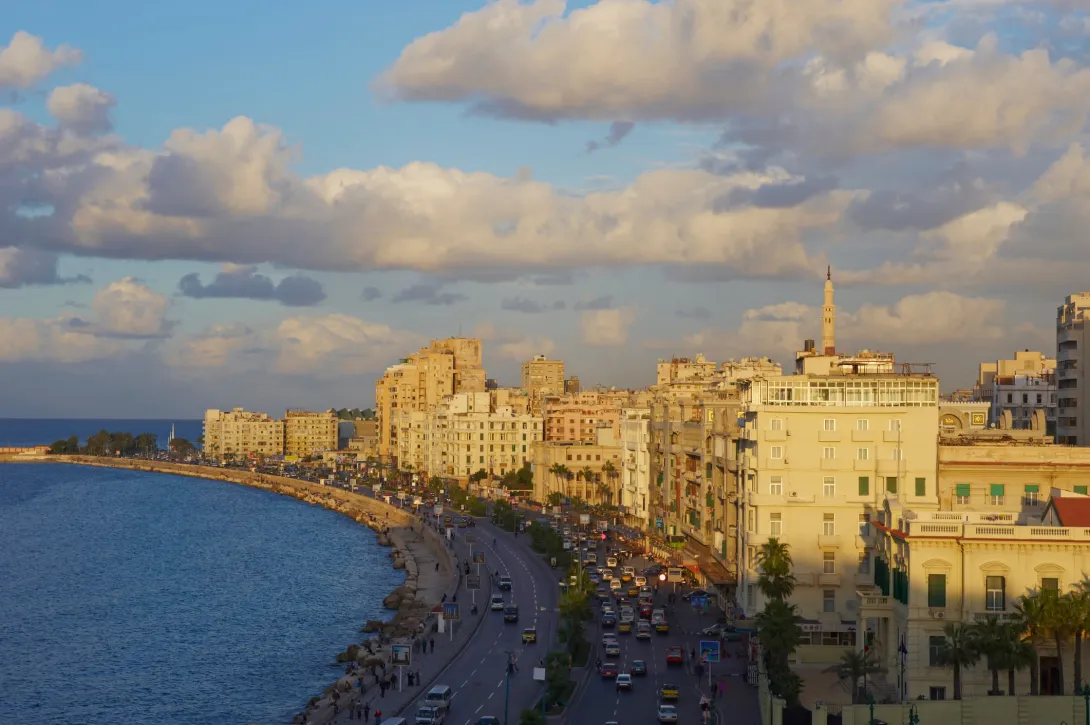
937	693
864	524
862	454
995	599
776	424
862	424
1050	583
896	454
828	487
828	453
1025	398
995	494
1081	490
864	485
828	600
936	590
775	524
828	524
830	424
1029	498
934	648
895	425
961	493
828	562
891	484
921	486
776	452
1010	397
1038	398
775	486
752	520
864	564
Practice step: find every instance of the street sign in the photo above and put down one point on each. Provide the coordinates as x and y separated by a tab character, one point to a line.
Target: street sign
478	557
700	603
401	654
709	650
473	582
584	519
450	611
471	538
437	510
675	575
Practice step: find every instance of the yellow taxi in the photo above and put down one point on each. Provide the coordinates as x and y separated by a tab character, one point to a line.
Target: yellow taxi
529	635
662	627
625	627
668	692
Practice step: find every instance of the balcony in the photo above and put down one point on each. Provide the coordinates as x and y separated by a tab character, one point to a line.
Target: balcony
862	436
864	580
805	580
891	468
835	464
773	435
828	541
830	436
829	580
892	436
774	463
799	497
874	602
864	464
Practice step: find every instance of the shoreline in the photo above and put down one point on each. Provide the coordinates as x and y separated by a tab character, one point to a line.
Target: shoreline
400	531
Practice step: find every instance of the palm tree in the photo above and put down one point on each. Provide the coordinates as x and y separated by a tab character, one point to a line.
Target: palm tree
587	474
1079	603
1031	621
992	641
558	471
1059	621
853	667
610	472
780	629
776	580
1020	654
958	650
569	476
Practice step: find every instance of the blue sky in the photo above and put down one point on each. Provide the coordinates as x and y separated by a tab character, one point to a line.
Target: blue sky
912	152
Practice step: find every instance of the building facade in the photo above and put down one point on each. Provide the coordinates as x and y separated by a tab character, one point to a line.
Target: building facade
576	418
307	433
241	434
1016	388
1072	425
635	489
585	471
542	376
819	456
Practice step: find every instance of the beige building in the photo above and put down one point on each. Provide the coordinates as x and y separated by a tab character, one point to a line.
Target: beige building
634	496
819	455
421	381
679	369
577	417
577	457
1016	388
364	439
1072	427
542	376
307	433
935	567
241	434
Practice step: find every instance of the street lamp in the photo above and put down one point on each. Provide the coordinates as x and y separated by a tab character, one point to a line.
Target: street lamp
1086	700
913	715
507	684
870	706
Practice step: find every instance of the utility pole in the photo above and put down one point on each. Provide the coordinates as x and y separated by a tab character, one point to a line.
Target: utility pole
507	685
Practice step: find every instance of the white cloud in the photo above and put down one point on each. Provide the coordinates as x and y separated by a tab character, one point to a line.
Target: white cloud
82	108
26	60
337	344
50	340
129	308
525	348
606	328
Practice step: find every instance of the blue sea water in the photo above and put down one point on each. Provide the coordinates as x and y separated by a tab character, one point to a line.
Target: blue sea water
137	598
43	431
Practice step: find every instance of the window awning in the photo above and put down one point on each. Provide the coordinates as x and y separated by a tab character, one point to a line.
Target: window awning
962	489
996	489
1031	488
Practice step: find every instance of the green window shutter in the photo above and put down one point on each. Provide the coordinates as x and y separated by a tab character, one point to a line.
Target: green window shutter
1032	488
936	590
660	478
707	470
1080	489
891	484
962	489
995	489
864	485
921	486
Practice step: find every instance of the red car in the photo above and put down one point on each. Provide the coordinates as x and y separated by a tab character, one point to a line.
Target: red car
608	670
673	655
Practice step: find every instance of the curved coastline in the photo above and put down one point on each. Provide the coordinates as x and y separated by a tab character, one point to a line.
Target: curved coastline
410	542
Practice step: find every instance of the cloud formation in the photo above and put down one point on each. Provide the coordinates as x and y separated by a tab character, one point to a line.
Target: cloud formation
617	132
528	306
26	60
244	282
23	267
606	327
429	294
81	108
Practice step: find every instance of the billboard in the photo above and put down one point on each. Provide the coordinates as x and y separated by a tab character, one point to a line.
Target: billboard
478	557
709	650
473	582
584	519
450	611
401	654
675	575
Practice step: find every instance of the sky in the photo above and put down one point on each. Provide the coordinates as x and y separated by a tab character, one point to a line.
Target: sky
264	205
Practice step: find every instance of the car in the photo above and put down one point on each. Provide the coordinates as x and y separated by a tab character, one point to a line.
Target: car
505	583
607	574
674	655
632	590
668	691
615	584
609	620
608	637
624	682
497	603
641	581
470	523
695	593
612	649
462	523
426	715
611	561
638	667
667	713
643	630
625	627
487	720
601	593
529	635
511	613
662	627
645	612
608	670
594	578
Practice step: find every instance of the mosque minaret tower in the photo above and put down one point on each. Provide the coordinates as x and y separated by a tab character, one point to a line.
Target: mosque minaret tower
828	317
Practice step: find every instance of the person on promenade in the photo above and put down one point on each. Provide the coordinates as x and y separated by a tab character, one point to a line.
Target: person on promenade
378	716
433	645
366	711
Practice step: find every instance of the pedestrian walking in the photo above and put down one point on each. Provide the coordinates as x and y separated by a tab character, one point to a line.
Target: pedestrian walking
378	715
366	711
433	644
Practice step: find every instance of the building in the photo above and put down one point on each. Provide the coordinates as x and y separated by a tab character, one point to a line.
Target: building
1072	428
590	471
931	568
679	369
364	438
307	433
818	456
242	434
577	417
542	376
1018	387
571	385
421	381
635	490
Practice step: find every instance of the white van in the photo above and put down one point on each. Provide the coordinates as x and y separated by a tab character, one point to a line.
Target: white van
439	696
395	721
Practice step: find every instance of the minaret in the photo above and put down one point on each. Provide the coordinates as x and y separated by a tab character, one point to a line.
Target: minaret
828	317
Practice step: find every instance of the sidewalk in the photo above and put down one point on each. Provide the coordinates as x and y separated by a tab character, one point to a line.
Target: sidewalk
430	664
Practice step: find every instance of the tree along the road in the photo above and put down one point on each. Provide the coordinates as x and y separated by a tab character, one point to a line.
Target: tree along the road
779	625
105	443
853	670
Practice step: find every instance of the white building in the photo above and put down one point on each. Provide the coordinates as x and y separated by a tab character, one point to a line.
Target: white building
818	456
635	466
1016	388
1072	426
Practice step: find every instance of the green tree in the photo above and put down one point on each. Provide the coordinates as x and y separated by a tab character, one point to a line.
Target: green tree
66	446
1079	610
555	498
780	629
609	471
992	639
1031	621
775	580
1060	621
853	670
959	650
181	448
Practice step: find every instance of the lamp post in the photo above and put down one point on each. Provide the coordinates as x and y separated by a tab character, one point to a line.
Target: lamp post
507	685
870	707
1086	701
913	715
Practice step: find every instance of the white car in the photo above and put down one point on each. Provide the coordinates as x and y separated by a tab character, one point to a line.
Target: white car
497	603
611	561
624	682
667	713
428	716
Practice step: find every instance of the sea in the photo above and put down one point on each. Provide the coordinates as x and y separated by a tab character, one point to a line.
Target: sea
44	431
136	598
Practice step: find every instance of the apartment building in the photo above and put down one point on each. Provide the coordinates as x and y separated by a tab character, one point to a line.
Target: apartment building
364	439
307	433
242	434
577	417
591	471
571	385
421	381
1072	427
1016	388
931	568
542	376
635	489
679	369
819	455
